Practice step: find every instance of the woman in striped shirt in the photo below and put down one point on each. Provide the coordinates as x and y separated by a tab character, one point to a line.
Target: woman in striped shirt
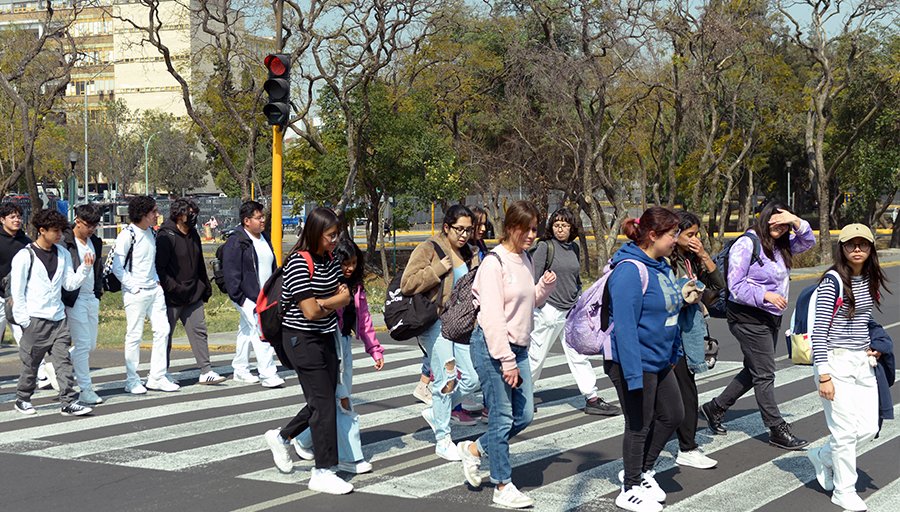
310	296
844	363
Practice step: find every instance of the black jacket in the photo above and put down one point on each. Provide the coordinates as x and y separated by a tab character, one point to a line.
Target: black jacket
241	268
9	246
68	297
180	266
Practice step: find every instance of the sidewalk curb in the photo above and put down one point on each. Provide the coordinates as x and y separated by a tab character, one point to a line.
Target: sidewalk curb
810	275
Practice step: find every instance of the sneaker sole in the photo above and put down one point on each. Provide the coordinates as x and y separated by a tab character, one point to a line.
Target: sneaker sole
595	412
27	412
80	413
695	466
502	503
463	423
210	382
423	399
329	491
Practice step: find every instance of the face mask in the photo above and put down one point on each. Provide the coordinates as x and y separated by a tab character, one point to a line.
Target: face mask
192	220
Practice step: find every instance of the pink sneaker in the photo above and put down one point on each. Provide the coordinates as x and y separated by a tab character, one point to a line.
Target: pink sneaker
462	418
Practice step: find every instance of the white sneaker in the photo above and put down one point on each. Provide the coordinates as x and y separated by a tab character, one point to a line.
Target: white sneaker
135	389
51	375
210	377
162	385
89	397
635	500
302	451
446	449
428	415
511	497
280	452
824	473
695	459
469	463
356	468
324	480
649	487
849	501
272	382
423	392
245	378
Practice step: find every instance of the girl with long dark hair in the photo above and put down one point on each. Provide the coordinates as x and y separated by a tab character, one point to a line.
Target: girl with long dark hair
311	295
434	268
759	287
691	260
845	363
353	318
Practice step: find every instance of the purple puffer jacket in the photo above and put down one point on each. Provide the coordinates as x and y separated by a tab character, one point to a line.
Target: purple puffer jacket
748	284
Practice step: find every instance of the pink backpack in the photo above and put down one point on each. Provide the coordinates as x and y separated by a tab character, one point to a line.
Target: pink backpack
585	330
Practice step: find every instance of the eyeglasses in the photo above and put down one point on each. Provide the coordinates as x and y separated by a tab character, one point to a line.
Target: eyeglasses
332	237
460	230
561	225
863	247
259	217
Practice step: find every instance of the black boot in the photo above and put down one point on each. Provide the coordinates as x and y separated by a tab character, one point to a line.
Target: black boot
781	436
714	415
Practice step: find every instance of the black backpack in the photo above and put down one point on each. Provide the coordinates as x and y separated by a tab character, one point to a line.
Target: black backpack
716	302
218	273
408	316
270	310
111	283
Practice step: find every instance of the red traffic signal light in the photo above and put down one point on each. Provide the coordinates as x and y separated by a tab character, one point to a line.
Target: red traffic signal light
278	88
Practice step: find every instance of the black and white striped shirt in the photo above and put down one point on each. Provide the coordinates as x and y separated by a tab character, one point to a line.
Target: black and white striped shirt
298	286
845	332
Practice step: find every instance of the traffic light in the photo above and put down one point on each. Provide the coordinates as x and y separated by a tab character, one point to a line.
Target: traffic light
278	87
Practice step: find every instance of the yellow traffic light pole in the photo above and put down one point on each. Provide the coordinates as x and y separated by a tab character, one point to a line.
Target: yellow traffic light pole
277	148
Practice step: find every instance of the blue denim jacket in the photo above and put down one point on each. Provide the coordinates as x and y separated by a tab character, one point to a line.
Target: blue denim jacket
693	334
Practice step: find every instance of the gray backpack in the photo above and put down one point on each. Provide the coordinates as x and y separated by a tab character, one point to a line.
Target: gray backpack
460	313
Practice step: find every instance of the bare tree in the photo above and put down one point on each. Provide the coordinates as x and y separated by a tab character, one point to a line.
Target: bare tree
37	68
837	57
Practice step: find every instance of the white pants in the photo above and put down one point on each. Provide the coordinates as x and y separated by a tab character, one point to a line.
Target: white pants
852	416
248	335
139	306
83	319
549	325
16	330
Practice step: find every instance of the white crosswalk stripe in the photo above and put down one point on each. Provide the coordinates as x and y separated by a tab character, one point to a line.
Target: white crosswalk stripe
160	432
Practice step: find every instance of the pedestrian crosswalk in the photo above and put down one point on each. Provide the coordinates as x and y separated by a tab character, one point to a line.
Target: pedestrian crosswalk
565	460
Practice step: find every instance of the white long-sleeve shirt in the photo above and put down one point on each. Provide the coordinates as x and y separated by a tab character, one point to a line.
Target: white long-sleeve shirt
39	296
141	270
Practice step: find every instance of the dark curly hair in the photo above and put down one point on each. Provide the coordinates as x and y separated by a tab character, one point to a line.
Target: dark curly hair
182	206
48	219
88	213
139	207
7	209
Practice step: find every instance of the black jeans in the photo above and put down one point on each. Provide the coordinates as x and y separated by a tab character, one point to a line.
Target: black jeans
687	431
315	359
758	345
651	416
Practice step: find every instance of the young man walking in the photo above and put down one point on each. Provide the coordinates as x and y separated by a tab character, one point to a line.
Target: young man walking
12	240
83	304
39	272
134	264
182	274
247	262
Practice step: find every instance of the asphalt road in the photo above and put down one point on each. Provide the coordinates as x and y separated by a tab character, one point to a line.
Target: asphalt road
201	449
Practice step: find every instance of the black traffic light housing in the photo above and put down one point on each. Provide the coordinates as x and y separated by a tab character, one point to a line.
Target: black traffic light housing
278	87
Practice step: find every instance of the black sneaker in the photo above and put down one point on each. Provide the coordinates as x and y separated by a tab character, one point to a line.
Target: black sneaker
75	409
714	415
25	407
600	407
781	436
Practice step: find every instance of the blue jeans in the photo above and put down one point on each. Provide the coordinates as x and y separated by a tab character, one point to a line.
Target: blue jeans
349	444
510	409
448	388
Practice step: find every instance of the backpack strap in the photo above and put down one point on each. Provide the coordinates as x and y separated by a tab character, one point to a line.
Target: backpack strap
309	261
128	256
551	249
757	248
642	270
839	293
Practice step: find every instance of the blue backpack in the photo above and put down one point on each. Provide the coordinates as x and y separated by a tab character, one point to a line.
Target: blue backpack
716	302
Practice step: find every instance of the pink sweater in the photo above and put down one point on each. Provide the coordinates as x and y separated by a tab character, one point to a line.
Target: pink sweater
507	296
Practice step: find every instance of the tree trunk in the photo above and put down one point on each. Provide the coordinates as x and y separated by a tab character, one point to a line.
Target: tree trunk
824	194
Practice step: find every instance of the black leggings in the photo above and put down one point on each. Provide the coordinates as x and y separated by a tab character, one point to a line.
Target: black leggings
315	359
651	416
687	431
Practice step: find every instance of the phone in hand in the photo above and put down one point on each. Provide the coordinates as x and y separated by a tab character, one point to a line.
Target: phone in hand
518	381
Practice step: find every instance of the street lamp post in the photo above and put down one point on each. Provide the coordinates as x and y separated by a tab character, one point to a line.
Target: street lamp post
790	200
146	163
72	186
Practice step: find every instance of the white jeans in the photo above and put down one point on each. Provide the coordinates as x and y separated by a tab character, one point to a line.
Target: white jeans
549	325
248	335
16	330
139	306
83	319
852	416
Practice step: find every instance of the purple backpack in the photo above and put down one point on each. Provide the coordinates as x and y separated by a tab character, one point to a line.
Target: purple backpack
585	330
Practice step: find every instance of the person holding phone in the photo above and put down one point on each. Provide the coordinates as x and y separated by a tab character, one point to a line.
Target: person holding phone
504	288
